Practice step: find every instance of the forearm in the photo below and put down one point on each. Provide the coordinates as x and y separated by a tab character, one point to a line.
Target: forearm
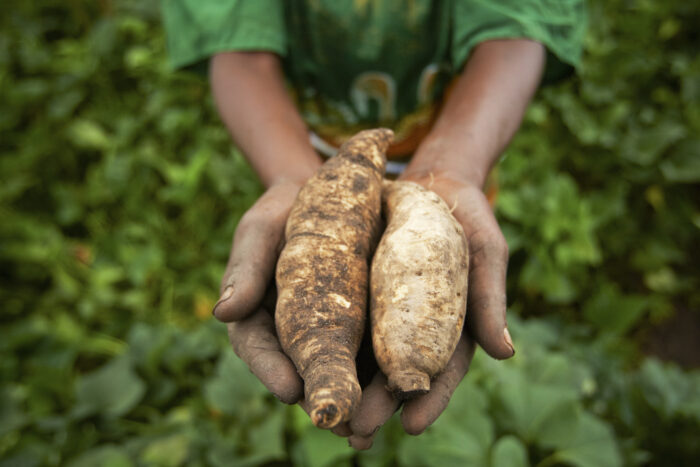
482	112
253	103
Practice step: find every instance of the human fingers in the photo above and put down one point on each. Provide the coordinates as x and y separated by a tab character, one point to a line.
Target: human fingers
256	245
359	443
343	430
488	263
419	413
255	342
377	406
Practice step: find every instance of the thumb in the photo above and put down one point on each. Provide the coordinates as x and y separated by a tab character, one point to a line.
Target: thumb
256	246
488	264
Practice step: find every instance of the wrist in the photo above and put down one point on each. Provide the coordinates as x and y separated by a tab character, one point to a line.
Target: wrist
293	172
438	181
482	111
437	159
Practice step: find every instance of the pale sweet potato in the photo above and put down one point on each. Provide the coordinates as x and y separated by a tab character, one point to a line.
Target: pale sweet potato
418	288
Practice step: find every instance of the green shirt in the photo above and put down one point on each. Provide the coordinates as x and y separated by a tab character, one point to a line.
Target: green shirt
354	64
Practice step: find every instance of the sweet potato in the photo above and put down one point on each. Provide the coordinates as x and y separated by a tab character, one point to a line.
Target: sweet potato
418	288
322	274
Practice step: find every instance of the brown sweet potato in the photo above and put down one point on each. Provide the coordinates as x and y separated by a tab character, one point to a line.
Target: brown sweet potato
322	274
418	288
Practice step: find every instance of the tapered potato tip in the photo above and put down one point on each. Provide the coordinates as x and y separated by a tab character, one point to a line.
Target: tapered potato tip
408	384
368	145
332	391
326	415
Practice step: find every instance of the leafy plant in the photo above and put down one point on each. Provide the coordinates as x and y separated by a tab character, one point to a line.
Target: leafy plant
120	192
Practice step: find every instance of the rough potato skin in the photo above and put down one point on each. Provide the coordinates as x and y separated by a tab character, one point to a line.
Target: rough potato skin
322	274
418	288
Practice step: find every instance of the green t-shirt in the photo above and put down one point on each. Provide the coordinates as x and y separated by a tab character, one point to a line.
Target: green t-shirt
354	64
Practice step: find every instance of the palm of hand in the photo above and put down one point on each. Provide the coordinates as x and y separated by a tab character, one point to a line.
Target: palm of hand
248	297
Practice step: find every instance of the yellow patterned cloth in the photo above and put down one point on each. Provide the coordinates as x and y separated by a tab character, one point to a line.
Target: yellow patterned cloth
356	64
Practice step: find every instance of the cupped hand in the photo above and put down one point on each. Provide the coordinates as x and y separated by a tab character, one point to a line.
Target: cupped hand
247	300
485	322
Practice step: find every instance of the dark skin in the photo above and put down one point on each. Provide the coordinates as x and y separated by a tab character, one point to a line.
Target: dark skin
477	121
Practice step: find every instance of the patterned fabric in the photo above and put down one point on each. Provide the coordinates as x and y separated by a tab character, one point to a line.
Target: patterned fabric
355	64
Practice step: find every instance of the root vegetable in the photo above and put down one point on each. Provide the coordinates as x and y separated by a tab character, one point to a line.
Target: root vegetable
418	288
322	274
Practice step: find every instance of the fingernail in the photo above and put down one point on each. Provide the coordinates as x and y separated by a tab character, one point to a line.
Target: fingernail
509	341
228	291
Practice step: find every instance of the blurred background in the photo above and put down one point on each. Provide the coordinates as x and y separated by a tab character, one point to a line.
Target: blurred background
120	192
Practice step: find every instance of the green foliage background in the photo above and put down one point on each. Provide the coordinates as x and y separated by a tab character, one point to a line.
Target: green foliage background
120	192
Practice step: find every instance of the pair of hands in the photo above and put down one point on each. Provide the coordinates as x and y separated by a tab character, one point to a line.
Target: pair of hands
248	295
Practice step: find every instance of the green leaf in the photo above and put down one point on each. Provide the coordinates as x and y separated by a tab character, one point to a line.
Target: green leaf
107	455
89	134
138	56
63	104
198	344
683	165
384	446
579	119
147	344
167	452
540	275
453	446
529	407
12	417
234	390
463	434
535	333
644	145
321	448
589	444
510	205
509	451
614	312
661	280
267	439
32	452
668	390
561	422
112	391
